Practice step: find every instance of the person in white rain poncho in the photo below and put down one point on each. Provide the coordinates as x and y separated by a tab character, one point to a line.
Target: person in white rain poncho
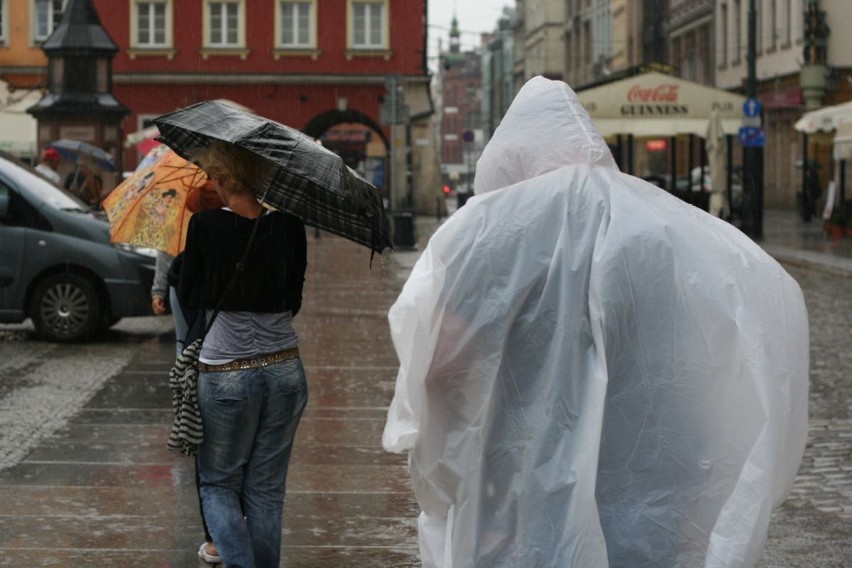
592	372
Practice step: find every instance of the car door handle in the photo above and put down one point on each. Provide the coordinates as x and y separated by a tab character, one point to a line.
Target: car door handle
42	243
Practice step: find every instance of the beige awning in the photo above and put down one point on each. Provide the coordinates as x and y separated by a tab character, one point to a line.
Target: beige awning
655	104
825	119
843	142
17	128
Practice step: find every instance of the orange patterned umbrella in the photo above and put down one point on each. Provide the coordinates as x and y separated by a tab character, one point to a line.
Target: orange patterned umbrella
152	207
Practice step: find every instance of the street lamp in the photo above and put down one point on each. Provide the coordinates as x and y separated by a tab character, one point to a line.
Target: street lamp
752	153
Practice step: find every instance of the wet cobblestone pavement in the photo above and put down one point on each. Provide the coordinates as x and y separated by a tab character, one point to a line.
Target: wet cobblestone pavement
100	489
813	527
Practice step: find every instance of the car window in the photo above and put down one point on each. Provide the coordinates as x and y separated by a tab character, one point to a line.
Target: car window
16	212
39	188
4	201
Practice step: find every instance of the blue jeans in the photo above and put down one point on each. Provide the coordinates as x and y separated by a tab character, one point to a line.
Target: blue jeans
249	419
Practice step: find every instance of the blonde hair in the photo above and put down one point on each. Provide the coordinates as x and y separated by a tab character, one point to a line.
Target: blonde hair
235	169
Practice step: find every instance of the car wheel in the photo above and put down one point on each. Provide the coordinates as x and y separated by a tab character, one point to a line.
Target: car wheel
65	307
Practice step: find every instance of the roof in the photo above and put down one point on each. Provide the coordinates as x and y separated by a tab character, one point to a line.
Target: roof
79	29
656	104
825	119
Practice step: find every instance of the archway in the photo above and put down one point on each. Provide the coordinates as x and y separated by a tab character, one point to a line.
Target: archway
325	121
349	133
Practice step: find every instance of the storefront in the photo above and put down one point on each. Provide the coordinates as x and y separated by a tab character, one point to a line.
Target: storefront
656	123
834	121
17	128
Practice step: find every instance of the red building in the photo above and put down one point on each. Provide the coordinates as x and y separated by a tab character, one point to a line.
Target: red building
461	113
315	65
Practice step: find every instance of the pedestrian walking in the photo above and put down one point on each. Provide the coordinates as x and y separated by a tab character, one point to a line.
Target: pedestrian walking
86	183
252	388
811	191
48	164
249	415
592	372
189	326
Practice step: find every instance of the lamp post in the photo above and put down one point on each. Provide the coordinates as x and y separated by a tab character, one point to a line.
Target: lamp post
752	153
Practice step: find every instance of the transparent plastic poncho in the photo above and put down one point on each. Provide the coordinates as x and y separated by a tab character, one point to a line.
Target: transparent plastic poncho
593	373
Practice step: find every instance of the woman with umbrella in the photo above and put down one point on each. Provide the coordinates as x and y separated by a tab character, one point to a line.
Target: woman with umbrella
252	388
85	183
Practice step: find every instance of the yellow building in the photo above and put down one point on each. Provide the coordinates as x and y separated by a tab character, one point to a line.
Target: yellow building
24	25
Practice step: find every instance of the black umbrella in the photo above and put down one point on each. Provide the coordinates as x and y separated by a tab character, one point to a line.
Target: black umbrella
77	150
308	180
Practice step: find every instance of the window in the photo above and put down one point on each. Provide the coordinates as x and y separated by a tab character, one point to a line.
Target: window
758	24
369	24
151	24
738	32
297	23
724	40
4	14
772	29
784	25
46	16
224	23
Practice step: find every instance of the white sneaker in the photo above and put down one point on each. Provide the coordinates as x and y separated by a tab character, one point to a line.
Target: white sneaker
208	558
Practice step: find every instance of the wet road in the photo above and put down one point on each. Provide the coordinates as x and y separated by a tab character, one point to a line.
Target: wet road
813	527
95	486
43	384
86	481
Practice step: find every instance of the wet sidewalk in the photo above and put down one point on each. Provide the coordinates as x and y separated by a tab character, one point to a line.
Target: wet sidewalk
104	491
787	238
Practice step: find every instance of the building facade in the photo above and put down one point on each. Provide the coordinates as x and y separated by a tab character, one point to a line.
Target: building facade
24	26
542	36
691	40
498	73
460	82
315	65
783	54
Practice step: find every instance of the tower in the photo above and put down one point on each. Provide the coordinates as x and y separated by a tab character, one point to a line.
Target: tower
79	104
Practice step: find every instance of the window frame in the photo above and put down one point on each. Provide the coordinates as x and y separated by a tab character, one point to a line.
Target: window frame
385	26
37	38
723	40
168	41
240	42
4	23
737	47
311	27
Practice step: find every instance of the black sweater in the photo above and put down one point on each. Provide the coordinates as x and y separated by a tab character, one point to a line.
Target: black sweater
274	269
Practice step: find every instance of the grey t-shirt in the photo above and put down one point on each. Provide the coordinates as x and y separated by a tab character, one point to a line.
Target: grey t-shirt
243	335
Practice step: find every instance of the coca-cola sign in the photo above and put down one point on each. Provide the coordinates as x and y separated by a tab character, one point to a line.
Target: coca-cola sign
660	101
659	94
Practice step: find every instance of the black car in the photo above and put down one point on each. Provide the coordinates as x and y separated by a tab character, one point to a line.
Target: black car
57	265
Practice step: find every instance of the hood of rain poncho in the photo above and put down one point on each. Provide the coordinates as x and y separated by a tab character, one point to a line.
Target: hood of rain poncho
592	372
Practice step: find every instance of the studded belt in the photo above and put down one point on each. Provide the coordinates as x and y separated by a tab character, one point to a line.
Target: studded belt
253	363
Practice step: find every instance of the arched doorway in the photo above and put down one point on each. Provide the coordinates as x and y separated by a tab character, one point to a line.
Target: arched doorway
358	139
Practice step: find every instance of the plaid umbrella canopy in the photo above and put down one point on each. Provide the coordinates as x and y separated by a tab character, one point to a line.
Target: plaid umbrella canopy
308	180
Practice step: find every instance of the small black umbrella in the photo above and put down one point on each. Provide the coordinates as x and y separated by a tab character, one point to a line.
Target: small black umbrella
308	180
77	150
